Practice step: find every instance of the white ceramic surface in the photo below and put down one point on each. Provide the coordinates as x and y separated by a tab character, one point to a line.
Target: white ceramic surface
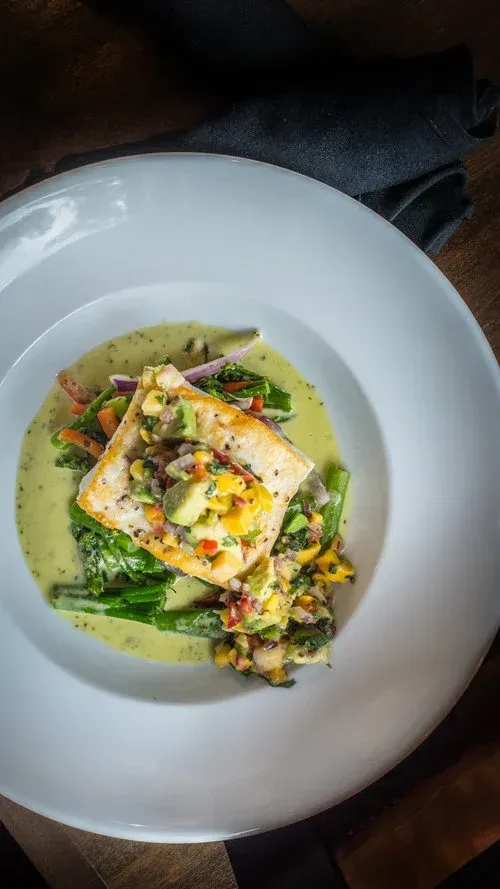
103	741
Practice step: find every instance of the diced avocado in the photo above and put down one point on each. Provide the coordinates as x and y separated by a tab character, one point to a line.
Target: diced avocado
263	581
179	474
207	526
185	501
183	423
298	522
141	493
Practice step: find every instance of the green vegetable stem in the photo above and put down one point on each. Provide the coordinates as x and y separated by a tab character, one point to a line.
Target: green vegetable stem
337	482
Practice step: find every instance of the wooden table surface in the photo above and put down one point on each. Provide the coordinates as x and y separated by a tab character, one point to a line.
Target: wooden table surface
75	82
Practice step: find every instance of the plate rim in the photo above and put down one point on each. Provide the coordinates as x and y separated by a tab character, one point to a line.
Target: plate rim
146	833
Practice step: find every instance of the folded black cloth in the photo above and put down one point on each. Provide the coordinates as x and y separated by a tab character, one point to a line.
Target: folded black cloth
388	132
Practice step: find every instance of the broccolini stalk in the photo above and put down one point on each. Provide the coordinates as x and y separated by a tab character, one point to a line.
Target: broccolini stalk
337	482
206	623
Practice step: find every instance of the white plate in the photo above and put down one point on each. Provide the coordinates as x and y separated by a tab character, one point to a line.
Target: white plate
103	741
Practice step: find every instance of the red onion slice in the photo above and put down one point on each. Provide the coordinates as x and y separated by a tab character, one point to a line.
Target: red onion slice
267	422
123	382
212	367
242	403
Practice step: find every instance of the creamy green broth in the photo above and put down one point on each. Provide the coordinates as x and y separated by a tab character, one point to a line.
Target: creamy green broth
44	491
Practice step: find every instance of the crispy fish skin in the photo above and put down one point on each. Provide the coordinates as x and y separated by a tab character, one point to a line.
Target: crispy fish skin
105	490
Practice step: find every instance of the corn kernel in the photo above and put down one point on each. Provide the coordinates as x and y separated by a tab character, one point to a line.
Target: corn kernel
220	505
224	566
154	403
228	483
304	556
272	604
304	601
317	518
265	498
330	557
154	513
221	657
203	457
145	435
137	470
148	378
277	676
238	520
170	540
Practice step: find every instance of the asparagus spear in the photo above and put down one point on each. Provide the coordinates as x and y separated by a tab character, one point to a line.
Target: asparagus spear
128	603
206	623
337	481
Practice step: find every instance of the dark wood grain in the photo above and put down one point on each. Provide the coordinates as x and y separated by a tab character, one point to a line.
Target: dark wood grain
71	82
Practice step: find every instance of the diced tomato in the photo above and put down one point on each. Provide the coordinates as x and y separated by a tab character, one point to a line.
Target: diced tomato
246	604
257	404
234	615
198	472
209	547
233	387
220	457
239	501
235	467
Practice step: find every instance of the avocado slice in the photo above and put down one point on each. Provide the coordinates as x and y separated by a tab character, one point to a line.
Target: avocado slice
263	581
185	501
183	423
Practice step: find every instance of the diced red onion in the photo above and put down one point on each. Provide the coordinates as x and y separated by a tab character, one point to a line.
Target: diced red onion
267	422
167	415
307	509
316	487
170	528
186	448
123	382
235	584
269	645
212	367
315	532
157	489
242	403
183	463
245	588
300	614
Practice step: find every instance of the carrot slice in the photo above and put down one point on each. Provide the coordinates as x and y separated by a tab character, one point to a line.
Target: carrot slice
233	387
257	404
78	409
72	436
108	420
73	388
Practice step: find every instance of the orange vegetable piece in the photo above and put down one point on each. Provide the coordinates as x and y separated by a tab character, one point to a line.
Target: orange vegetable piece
72	436
108	420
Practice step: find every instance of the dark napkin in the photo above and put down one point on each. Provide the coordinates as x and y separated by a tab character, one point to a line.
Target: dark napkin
388	132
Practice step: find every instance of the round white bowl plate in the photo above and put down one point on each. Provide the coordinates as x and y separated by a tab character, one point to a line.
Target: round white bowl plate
106	742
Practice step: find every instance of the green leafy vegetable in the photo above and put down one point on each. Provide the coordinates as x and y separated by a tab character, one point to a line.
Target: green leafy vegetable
77	462
337	482
86	422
